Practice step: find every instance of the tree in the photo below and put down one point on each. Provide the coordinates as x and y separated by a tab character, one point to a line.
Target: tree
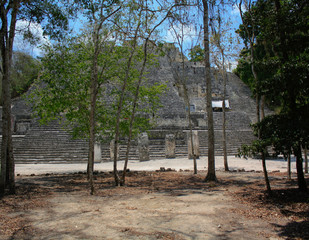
84	78
66	90
150	94
248	31
306	159
211	173
25	70
196	54
141	20
99	13
282	35
224	49
178	23
55	19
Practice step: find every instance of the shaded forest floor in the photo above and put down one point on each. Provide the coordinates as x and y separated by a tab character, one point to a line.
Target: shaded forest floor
155	205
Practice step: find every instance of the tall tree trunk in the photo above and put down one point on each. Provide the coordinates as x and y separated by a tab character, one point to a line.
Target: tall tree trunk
263	107
257	98
259	118
7	34
292	98
141	74
181	80
289	166
187	100
93	99
306	159
190	128
211	173
91	138
226	166
302	185
266	174
119	108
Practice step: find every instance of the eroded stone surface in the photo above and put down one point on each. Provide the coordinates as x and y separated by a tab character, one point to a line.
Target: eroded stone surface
196	144
170	146
143	147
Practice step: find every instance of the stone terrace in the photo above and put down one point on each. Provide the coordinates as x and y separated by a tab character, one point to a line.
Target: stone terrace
50	143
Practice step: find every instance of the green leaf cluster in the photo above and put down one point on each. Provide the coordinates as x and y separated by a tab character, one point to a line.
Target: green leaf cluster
24	71
63	89
281	58
197	54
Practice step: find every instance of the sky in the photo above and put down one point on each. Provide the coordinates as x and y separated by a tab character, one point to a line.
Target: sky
23	45
192	35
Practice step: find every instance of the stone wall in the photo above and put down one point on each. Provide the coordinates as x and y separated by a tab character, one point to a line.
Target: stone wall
52	143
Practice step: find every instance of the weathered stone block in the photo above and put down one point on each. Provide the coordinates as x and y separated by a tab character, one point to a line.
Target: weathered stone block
196	144
22	127
170	146
97	152
143	147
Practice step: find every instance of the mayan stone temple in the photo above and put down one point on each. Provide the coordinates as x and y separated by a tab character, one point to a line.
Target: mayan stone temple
168	139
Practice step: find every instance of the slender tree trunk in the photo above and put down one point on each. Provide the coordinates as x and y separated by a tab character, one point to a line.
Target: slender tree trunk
289	166
187	100
259	136
182	82
91	141
192	147
302	185
262	106
7	34
120	105
211	173
141	74
93	99
266	174
7	159
257	102
226	166
191	130
292	98
306	159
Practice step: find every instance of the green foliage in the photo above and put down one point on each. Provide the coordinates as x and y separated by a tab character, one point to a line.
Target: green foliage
281	60
24	71
281	64
243	70
53	16
63	90
197	54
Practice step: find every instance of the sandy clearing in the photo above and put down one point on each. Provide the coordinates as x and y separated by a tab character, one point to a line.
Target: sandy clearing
177	164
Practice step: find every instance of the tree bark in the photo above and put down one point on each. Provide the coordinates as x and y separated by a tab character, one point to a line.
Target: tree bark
263	107
93	99
7	34
226	166
187	100
190	128
289	166
119	108
302	185
257	89
141	74
211	173
266	174
306	159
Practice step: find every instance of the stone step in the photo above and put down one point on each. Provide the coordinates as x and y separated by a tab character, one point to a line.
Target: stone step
52	144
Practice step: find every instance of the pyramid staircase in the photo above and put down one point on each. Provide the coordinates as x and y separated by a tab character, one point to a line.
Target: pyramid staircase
50	144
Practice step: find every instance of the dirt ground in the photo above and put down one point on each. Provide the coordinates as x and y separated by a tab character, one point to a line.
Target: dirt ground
155	205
